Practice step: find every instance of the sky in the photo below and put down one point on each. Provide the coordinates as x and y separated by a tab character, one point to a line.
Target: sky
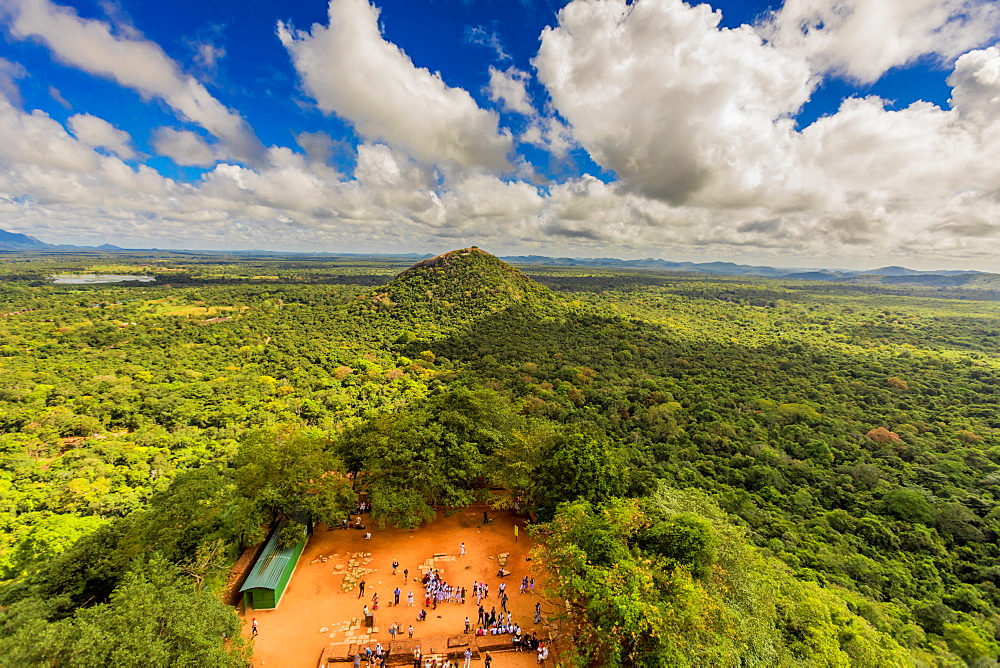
808	133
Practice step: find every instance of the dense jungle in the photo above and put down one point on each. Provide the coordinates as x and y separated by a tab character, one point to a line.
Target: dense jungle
725	471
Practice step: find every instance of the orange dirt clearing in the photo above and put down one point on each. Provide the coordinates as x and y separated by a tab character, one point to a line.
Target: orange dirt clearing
316	613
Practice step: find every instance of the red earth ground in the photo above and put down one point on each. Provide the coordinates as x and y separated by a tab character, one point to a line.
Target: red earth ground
292	635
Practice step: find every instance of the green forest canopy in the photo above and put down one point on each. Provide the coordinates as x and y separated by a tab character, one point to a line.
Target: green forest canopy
734	471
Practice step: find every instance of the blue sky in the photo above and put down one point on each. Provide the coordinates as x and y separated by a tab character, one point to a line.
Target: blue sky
808	133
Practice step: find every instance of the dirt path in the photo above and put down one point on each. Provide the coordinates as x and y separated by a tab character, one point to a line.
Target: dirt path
293	635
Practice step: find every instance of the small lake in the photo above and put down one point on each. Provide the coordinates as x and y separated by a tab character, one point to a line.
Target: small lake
86	279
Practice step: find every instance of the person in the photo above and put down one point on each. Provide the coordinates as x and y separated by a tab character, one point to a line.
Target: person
409	600
410	630
543	653
416	657
253	626
461	550
486	519
488	661
366	609
422	615
463	594
392	631
509	618
538	613
357	660
524	584
375	601
467	624
396	593
515	533
406	574
361	589
531	584
468	657
395	565
482	616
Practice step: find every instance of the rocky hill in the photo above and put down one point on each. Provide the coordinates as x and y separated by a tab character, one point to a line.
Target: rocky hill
459	285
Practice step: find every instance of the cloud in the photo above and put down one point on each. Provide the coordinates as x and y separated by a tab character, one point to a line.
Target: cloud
352	71
56	95
97	132
320	147
544	130
34	142
679	108
207	55
184	147
134	62
10	72
975	86
508	87
550	134
490	39
696	122
863	39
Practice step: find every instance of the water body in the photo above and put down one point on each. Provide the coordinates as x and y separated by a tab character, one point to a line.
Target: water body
86	279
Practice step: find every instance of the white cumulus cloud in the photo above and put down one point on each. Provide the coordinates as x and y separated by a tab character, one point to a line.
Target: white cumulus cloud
184	147
508	87
676	106
97	132
352	71
131	61
863	39
975	86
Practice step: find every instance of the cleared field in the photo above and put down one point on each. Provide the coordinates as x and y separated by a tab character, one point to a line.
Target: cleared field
315	608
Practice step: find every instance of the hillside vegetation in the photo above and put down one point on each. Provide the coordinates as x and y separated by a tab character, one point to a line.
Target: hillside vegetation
730	472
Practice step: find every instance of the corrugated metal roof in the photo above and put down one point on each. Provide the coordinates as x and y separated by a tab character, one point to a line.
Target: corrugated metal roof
270	564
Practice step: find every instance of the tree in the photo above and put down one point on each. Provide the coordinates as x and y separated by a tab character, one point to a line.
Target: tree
433	453
579	464
908	505
683	539
291	473
51	536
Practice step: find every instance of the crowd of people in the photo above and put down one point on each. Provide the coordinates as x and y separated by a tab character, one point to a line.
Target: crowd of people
439	591
488	622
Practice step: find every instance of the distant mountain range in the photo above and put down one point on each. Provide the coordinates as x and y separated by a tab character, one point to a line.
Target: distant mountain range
13	242
728	268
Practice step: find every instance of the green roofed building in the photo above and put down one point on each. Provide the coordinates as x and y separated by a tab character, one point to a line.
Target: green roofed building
270	575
